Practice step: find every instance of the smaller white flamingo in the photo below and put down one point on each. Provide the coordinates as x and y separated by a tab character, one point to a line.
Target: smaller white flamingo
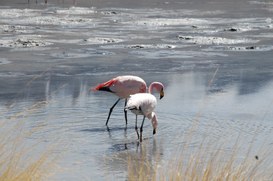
144	104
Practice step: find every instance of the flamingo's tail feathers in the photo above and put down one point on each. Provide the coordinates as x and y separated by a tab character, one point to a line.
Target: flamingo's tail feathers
104	86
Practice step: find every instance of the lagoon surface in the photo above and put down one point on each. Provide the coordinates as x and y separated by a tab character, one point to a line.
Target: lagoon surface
214	58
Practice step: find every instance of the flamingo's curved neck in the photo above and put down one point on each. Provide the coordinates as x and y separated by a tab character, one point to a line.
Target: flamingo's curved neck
151	87
150	90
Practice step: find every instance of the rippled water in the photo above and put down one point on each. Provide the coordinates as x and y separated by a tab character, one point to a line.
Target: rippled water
214	60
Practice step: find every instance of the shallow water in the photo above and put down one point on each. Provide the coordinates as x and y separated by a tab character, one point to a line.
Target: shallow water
214	60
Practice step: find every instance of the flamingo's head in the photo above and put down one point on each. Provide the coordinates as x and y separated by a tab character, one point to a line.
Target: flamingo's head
161	93
154	122
158	87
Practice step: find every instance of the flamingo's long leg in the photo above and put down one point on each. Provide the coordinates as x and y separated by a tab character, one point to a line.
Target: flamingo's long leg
136	128
141	129
125	111
110	111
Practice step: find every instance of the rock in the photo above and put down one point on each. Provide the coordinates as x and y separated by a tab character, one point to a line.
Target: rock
231	29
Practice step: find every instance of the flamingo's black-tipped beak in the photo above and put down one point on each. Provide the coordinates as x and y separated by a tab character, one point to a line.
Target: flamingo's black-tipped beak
161	94
154	131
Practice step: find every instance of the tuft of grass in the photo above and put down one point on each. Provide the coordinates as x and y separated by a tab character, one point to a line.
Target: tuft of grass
139	167
208	162
20	158
203	164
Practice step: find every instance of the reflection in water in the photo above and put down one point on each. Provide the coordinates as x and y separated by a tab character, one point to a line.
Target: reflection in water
41	88
145	155
248	79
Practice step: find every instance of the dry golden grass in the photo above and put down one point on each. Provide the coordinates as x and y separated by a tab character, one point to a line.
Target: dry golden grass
208	162
21	160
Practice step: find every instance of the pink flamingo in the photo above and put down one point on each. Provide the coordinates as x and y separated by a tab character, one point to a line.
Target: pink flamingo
123	87
144	104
